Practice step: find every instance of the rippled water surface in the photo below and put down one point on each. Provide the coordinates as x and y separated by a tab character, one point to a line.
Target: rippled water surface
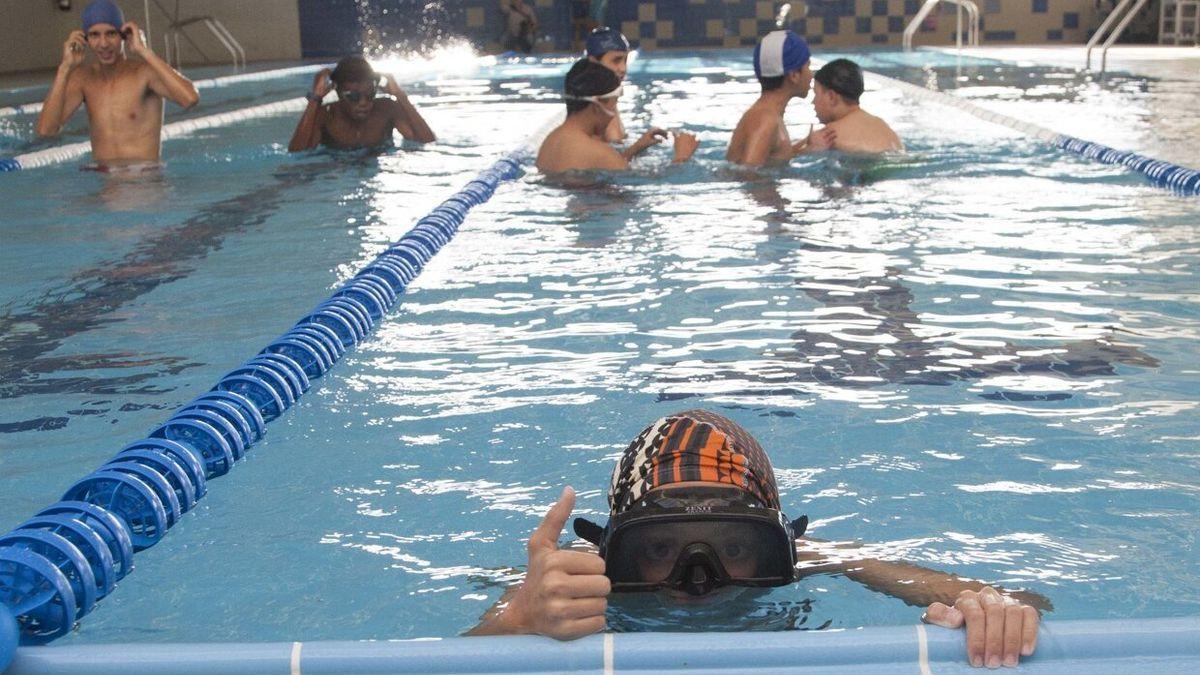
980	356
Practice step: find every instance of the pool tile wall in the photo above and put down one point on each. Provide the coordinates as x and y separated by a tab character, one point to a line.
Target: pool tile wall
692	23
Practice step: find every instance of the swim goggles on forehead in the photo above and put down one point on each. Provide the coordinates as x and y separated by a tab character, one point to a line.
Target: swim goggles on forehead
615	93
696	540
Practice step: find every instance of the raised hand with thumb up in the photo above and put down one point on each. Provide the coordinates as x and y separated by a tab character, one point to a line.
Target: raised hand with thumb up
564	594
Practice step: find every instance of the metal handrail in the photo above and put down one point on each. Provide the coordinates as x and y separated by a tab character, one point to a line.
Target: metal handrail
972	14
1117	13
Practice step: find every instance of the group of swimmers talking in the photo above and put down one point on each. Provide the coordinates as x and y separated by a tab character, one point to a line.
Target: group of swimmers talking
695	515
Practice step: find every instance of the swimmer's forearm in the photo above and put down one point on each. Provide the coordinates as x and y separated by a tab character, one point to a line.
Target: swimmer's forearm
915	585
179	88
305	135
497	620
50	119
421	131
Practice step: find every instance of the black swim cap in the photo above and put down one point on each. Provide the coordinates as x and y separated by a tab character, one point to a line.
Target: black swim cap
843	76
352	69
588	78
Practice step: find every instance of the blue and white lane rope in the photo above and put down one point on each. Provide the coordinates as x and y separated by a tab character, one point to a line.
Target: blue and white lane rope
1179	179
55	566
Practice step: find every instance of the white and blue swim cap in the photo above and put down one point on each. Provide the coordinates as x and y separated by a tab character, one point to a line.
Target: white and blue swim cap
102	11
604	40
779	53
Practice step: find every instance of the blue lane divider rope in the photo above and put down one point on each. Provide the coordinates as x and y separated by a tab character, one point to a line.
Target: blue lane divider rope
57	565
1164	174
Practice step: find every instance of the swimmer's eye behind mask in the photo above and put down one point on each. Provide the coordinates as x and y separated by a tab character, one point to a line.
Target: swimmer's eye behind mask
696	540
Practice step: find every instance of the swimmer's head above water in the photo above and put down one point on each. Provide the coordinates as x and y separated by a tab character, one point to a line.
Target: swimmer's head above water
608	47
591	86
102	25
693	508
838	83
781	59
356	83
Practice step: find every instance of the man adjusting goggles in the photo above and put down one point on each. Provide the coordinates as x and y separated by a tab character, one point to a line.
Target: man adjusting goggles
694	507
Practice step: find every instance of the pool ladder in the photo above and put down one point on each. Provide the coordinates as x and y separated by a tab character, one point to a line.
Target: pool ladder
1122	13
177	27
972	14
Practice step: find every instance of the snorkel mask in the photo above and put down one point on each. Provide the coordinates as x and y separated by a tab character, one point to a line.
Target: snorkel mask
696	539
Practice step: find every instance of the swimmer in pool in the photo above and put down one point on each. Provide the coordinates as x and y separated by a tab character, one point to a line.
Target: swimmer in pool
694	511
781	63
124	97
608	47
358	119
837	87
591	92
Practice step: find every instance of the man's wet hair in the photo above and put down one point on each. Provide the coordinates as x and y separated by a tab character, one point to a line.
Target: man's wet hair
353	69
588	78
842	76
771	83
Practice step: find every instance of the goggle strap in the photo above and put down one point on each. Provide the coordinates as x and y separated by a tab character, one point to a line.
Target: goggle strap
589	531
799	526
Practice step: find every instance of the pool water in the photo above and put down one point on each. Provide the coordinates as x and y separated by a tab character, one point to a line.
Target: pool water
979	357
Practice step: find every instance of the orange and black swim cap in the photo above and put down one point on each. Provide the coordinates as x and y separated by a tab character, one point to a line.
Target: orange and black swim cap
693	445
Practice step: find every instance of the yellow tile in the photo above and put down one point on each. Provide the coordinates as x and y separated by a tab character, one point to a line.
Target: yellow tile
731	40
747	28
664	30
697	2
764	10
647	43
647	12
630	29
474	17
545	3
714	28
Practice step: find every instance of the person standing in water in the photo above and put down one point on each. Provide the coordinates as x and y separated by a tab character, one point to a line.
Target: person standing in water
609	48
578	144
781	64
124	98
837	87
358	119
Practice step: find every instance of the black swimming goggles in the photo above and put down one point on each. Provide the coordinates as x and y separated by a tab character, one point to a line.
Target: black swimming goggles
696	539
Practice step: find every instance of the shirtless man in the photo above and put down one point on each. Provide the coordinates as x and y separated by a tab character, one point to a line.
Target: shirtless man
522	25
837	87
124	98
578	144
357	119
608	47
781	63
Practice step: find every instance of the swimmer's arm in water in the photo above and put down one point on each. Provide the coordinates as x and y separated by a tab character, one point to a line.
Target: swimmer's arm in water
66	92
308	131
564	595
1001	625
164	80
915	585
645	142
406	119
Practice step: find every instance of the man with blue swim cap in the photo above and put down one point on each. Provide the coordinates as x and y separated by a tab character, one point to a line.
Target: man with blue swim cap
124	98
695	517
609	48
781	63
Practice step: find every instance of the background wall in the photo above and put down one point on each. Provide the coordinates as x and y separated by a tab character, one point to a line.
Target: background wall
32	31
406	24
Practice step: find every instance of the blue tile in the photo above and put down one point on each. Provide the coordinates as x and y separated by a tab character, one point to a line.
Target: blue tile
879	39
997	35
862	24
911	6
830	26
1070	19
1041	6
895	24
879	8
1054	35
